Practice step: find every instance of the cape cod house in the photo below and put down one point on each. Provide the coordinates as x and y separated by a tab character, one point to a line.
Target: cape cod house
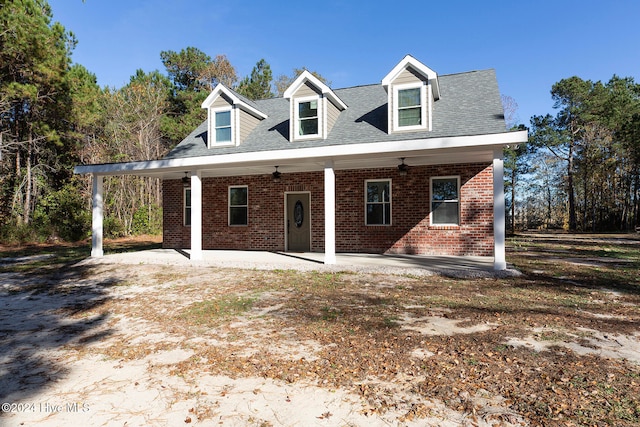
412	165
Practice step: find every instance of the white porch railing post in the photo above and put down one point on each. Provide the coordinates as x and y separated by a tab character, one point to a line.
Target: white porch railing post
196	216
97	215
499	260
329	213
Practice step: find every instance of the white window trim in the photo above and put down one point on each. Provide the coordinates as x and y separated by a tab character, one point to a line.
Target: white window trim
212	127
186	217
425	105
366	184
236	206
457	178
296	118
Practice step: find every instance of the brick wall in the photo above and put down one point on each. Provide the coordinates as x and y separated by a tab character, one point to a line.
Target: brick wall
174	235
410	231
265	229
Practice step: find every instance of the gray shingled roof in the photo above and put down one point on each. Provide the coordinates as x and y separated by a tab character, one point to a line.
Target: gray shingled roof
244	99
470	104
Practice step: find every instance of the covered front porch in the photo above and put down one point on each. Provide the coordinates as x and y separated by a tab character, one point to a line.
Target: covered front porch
437	151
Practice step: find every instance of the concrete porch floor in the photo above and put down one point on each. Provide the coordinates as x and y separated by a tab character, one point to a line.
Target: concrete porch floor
458	266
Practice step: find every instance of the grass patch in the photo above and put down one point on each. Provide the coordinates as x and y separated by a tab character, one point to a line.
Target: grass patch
36	259
608	261
211	312
43	258
330	314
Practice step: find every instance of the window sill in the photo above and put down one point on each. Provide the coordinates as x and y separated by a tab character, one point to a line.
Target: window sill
307	137
411	129
444	227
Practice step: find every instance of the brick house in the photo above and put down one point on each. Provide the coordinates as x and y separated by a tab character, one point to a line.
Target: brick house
412	166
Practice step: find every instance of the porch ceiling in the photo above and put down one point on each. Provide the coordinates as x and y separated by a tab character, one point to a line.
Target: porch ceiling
362	161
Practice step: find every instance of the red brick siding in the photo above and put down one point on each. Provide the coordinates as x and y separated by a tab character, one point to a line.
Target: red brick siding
410	231
265	229
174	235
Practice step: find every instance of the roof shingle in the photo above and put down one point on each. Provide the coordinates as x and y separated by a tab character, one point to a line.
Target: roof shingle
470	104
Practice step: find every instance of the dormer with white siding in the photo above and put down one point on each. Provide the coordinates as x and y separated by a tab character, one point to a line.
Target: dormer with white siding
230	117
313	108
412	88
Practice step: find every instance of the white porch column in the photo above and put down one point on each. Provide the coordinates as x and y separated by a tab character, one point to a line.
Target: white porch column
329	213
499	259
97	215
196	216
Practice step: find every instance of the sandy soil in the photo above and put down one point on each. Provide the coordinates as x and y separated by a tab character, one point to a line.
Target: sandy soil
105	345
57	368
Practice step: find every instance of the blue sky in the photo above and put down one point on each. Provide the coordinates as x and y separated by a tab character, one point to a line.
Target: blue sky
531	44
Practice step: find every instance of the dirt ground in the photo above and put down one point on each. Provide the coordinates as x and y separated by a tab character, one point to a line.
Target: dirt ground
154	345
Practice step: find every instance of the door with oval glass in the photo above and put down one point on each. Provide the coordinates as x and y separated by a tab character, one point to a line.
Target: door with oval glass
298	222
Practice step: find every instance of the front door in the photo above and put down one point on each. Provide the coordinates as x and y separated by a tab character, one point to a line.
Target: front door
298	222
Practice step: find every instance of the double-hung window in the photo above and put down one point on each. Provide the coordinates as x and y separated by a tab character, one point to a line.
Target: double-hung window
378	202
410	112
187	206
307	118
238	205
445	200
222	127
409	107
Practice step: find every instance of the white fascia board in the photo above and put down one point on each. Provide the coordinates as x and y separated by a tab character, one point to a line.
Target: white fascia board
436	88
337	101
326	90
299	81
220	88
427	72
334	152
249	109
212	96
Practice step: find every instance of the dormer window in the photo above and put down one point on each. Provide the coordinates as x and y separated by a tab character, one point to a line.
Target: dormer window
410	112
409	107
230	116
412	88
313	108
308	118
222	127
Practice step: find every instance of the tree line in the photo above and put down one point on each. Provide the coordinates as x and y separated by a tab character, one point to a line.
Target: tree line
53	115
579	170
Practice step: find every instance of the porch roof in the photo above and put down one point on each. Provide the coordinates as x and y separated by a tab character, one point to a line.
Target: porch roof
417	152
468	126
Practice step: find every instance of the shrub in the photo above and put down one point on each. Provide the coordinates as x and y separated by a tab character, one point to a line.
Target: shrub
113	227
147	220
62	213
14	232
